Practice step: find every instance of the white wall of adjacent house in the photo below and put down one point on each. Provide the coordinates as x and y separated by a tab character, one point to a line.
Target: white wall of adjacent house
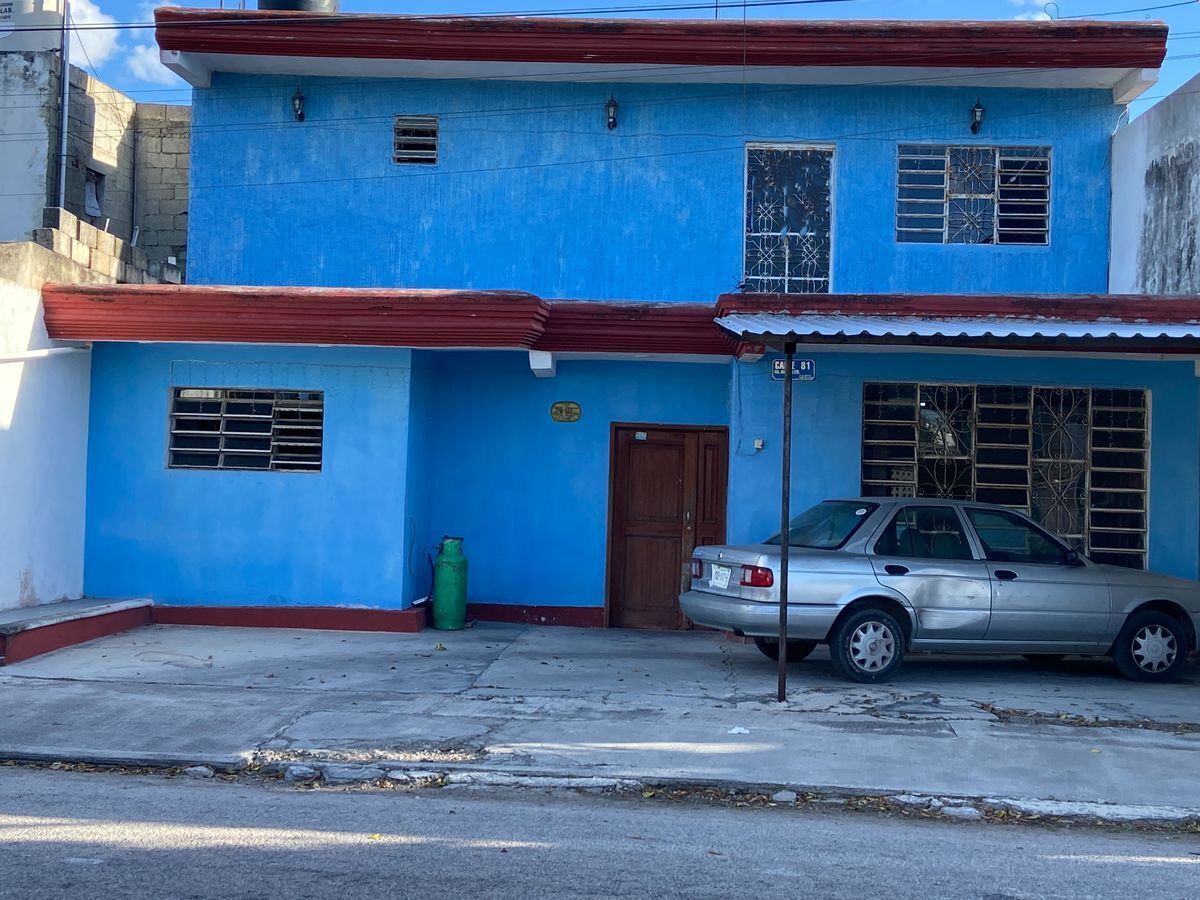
1155	247
44	394
27	84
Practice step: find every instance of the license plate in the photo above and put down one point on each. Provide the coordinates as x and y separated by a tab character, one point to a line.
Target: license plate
720	577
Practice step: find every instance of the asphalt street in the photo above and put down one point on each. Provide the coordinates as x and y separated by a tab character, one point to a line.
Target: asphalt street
66	834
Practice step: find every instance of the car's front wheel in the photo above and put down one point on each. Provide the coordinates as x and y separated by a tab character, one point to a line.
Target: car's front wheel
867	646
796	650
1151	647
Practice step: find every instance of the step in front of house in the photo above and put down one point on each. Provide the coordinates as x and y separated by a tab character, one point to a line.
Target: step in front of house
31	631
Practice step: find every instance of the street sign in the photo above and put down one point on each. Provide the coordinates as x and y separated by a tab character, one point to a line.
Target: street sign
802	369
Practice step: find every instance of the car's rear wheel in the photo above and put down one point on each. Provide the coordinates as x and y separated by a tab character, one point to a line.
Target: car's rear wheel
1151	647
867	646
796	650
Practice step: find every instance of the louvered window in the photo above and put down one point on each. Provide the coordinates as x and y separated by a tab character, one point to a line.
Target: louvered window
1075	459
236	428
973	195
415	140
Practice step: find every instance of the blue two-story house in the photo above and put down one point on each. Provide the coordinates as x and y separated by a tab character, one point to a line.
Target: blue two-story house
523	280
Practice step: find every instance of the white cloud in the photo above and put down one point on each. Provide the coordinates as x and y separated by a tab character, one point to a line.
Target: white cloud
144	63
100	43
1035	13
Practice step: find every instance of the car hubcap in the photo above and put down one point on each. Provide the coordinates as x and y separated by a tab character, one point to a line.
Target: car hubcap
1154	648
872	646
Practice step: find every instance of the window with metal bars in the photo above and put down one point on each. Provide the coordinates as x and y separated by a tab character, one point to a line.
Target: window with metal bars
1075	459
246	428
415	140
789	214
973	195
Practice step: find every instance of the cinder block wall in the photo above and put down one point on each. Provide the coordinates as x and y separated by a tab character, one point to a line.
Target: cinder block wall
161	159
100	138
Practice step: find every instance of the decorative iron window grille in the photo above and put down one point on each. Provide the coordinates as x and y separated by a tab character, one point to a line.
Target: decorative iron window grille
415	140
236	428
788	219
1075	459
973	195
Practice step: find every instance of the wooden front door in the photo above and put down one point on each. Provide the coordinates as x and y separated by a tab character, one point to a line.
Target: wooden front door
668	497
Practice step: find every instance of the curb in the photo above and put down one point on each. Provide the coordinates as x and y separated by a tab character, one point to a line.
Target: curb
393	774
231	765
964	808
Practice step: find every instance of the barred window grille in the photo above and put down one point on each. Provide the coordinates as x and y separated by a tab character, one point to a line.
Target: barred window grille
415	140
243	428
1075	459
789	214
973	195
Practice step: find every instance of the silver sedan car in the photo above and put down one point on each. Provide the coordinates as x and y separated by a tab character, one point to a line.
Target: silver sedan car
875	578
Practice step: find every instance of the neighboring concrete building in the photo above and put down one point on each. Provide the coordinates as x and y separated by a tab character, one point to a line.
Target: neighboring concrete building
1156	198
395	222
125	221
127	162
44	391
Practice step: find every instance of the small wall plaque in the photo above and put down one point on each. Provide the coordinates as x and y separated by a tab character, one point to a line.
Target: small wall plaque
565	411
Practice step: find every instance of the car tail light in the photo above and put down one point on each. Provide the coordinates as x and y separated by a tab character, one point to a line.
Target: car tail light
757	576
697	568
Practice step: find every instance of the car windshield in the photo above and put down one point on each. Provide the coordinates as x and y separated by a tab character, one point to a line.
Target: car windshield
828	525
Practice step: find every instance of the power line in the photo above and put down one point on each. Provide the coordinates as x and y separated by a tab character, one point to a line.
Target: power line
1121	12
367	17
699	96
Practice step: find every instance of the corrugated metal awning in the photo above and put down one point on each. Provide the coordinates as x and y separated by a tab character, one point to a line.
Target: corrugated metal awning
822	325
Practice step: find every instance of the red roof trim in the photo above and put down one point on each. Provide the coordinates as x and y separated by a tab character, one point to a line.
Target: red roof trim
516	320
996	44
1068	307
292	315
586	326
381	318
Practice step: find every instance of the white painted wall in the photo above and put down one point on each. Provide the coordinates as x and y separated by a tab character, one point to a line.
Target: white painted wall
26	102
43	438
1156	199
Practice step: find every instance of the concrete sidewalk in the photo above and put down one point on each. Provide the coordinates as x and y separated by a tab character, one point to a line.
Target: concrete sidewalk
686	707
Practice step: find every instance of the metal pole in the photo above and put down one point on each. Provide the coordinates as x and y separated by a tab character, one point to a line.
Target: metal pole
64	103
785	517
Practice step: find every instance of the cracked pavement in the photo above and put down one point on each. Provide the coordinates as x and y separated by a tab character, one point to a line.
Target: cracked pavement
609	703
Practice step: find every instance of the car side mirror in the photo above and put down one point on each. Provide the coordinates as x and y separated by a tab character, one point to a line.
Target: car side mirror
1073	558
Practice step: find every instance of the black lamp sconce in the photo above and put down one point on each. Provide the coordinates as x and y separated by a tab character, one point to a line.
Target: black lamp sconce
298	105
976	117
610	112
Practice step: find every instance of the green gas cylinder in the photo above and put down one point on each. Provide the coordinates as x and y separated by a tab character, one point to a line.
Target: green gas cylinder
450	586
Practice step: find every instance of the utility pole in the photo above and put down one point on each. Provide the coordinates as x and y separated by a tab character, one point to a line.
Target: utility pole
64	102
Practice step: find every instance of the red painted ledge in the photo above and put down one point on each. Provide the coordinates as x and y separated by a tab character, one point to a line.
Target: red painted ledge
676	42
54	636
573	616
321	618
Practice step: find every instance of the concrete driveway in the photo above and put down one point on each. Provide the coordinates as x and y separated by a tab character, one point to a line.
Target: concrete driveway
614	702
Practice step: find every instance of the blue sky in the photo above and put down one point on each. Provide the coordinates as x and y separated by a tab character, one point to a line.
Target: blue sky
129	59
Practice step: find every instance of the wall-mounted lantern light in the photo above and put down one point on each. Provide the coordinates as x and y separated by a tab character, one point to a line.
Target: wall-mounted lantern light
298	105
610	112
976	117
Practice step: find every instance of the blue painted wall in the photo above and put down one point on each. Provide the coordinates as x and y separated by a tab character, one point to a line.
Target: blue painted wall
533	192
828	433
420	444
530	495
189	536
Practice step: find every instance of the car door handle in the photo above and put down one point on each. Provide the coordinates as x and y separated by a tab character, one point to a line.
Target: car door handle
1006	574
893	569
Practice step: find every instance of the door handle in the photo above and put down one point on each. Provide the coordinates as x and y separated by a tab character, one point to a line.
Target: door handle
1006	574
893	569
687	519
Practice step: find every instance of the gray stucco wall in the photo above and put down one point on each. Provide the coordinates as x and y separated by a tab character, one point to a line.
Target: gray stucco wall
1156	199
